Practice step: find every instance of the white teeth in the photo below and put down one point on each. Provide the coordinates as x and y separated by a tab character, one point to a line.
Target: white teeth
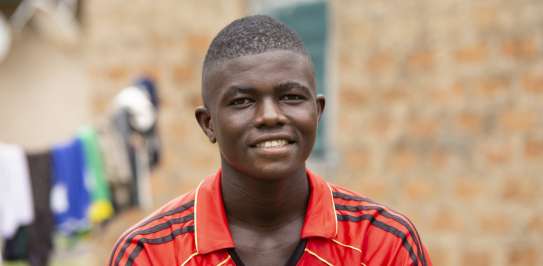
272	143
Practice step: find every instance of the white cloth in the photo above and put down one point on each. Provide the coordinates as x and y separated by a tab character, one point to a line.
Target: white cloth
5	42
138	104
16	206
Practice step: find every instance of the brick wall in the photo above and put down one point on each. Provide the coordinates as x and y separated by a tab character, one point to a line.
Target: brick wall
441	102
438	109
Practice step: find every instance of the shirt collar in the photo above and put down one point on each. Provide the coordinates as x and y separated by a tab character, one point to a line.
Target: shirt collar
320	216
211	225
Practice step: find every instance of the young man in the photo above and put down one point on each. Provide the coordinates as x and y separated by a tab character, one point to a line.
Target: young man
263	207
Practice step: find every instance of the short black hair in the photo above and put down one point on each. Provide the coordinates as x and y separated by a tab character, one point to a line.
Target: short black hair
251	35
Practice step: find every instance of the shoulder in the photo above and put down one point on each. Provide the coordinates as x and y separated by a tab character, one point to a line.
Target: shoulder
166	233
378	230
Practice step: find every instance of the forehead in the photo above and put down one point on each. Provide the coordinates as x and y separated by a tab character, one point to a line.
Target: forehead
259	70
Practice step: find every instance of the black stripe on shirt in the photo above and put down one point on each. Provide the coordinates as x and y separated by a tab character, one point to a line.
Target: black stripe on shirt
385	227
156	241
154	229
382	211
235	257
412	230
144	223
297	254
344	196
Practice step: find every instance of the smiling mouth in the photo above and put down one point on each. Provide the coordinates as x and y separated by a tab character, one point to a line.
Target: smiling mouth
275	143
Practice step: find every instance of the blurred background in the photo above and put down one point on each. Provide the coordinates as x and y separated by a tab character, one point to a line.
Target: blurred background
433	108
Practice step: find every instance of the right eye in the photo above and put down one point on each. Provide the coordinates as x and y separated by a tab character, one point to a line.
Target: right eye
240	102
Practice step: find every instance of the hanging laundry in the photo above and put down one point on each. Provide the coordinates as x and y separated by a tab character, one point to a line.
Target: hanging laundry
16	247
101	208
142	113
136	149
143	171
154	147
41	230
121	124
116	165
151	135
34	242
134	106
147	84
16	207
70	199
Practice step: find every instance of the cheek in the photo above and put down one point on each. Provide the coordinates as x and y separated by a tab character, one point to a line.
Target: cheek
306	120
229	128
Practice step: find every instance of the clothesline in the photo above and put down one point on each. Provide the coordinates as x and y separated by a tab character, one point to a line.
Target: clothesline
81	182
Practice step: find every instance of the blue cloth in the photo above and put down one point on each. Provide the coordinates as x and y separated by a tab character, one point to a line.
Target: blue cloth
70	194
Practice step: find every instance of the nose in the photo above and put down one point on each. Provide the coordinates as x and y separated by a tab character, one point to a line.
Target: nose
269	114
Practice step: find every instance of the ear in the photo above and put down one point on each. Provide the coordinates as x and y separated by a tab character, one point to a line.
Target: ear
203	118
321	102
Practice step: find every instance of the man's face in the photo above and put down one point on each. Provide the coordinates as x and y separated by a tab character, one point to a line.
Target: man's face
263	111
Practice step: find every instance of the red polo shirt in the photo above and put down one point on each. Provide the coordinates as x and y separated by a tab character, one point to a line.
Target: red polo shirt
340	228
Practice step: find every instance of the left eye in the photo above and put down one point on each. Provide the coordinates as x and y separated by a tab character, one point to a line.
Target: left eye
292	97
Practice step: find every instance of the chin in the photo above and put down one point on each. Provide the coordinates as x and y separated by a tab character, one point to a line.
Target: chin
266	168
275	171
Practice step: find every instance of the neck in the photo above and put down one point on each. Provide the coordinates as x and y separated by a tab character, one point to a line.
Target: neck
264	204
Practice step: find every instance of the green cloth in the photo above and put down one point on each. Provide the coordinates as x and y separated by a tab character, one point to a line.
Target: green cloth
101	208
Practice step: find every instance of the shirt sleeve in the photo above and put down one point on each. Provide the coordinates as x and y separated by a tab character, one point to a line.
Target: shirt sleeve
414	254
129	252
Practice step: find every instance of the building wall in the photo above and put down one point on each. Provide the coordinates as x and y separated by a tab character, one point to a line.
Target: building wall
440	102
40	85
437	111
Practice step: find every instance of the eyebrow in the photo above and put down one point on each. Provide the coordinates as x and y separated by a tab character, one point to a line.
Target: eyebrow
285	86
233	90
